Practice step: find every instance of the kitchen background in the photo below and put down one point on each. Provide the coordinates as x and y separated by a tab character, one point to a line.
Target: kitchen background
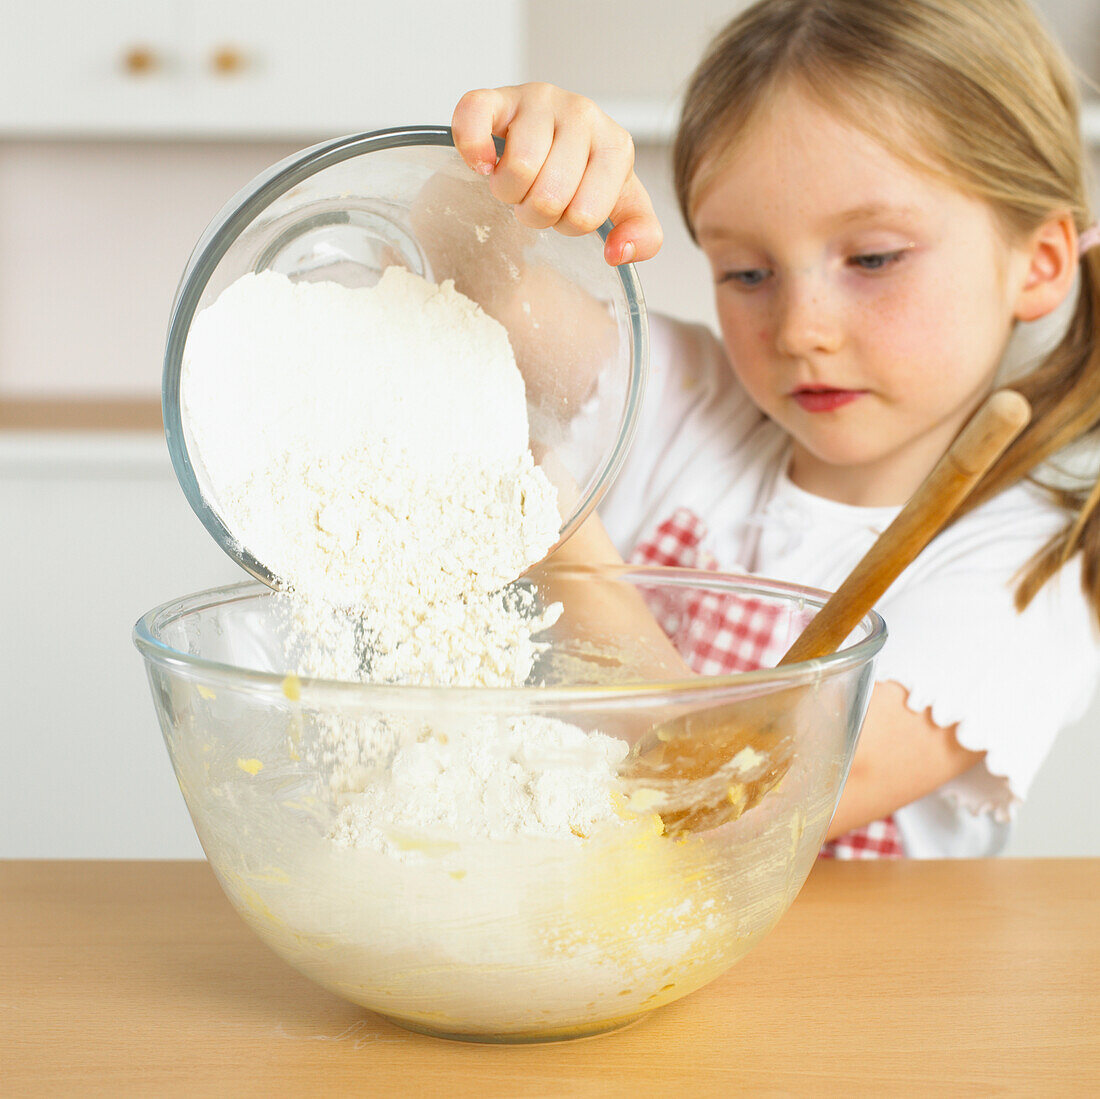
124	127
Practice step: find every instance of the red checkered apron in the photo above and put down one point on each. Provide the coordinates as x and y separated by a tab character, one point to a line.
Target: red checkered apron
718	634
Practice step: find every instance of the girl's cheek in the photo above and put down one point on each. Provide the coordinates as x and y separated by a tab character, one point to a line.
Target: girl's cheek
897	305
748	320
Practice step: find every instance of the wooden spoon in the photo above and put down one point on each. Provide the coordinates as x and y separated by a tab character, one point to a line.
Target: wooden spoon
690	755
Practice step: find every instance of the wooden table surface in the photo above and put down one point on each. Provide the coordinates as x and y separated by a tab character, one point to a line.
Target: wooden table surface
888	978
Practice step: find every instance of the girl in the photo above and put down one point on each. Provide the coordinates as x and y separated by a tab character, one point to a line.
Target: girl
883	189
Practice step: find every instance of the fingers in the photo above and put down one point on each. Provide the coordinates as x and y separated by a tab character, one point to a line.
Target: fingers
529	149
609	168
565	165
541	201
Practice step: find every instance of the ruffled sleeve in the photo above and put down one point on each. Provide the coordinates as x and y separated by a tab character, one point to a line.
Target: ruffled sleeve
1009	681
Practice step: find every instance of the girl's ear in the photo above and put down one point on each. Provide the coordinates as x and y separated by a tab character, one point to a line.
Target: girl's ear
1051	253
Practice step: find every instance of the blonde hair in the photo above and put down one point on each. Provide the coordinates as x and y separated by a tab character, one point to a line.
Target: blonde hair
986	100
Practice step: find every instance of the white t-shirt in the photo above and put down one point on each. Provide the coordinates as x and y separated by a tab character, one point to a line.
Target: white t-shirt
956	643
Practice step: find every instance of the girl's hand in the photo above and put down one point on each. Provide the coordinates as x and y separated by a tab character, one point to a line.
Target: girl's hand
565	165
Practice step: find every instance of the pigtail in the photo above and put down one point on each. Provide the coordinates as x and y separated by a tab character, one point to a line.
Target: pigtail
1064	392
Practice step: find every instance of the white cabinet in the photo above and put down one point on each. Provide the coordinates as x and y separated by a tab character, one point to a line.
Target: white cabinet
288	70
95	533
246	68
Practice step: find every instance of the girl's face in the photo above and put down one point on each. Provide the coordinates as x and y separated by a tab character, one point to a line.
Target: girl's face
864	305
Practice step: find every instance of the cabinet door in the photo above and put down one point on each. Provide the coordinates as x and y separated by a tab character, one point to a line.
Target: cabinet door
96	533
281	68
247	68
74	69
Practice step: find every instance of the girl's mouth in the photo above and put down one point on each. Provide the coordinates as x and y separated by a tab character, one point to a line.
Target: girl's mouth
821	398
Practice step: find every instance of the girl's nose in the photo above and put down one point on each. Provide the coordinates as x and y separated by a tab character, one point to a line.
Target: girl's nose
808	319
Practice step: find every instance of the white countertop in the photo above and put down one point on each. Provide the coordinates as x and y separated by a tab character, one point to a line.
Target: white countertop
72	451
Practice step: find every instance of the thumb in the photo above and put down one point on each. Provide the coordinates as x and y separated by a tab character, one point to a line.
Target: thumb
637	234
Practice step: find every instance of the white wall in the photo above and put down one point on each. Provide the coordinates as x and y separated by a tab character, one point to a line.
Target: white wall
93	239
1059	816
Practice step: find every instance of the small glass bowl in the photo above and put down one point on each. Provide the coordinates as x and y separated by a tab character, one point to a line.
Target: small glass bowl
526	938
346	209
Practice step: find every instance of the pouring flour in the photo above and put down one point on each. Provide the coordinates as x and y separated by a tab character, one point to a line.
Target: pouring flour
370	446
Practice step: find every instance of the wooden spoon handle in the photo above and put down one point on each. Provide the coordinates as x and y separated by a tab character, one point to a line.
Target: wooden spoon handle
976	448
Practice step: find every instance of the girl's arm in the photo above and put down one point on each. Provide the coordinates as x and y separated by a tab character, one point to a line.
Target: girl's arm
901	756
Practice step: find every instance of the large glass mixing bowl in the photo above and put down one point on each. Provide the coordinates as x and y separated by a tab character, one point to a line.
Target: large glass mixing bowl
346	209
526	937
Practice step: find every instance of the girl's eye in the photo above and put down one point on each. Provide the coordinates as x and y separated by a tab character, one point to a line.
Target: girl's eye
749	278
876	261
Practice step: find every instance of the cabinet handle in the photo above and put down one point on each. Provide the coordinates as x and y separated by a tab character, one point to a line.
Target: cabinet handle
228	61
140	60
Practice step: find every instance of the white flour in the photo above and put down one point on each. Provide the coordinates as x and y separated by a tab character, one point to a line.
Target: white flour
367	445
370	447
531	776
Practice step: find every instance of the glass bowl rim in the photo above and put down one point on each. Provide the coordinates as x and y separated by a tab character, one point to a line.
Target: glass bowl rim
239	212
621	696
